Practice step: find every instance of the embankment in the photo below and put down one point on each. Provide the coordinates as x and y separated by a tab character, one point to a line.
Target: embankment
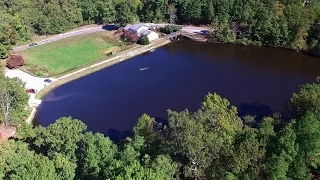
101	65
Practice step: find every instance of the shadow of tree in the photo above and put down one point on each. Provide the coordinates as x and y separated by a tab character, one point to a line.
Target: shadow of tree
164	122
255	109
117	136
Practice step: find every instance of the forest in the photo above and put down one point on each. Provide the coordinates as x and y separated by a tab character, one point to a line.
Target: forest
292	24
214	142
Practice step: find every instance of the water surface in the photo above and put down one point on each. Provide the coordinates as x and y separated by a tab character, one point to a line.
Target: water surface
257	80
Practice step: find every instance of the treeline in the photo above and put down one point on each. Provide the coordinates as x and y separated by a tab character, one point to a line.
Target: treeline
211	143
286	23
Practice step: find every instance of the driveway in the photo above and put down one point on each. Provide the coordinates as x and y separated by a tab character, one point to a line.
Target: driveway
30	81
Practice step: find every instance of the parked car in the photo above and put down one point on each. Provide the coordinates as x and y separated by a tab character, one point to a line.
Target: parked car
31	91
204	32
47	81
33	44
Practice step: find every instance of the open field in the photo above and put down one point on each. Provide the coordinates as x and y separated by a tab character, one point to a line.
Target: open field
68	54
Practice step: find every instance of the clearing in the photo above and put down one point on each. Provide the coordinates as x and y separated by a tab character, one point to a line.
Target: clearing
65	55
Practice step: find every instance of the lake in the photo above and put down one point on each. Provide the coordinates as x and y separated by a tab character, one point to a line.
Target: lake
179	75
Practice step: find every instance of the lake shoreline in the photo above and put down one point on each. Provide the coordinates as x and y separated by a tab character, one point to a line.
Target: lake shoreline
71	76
84	71
309	53
180	74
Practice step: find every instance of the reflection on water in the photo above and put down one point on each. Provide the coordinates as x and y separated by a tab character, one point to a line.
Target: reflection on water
257	80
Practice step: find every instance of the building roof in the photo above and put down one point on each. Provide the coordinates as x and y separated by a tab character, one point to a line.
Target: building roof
127	27
146	32
139	29
136	27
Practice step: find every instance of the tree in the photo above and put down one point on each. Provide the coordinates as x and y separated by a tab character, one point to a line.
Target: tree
143	40
96	154
2	67
7	39
170	29
61	137
203	138
129	36
308	98
248	155
126	12
15	61
172	13
300	41
19	162
284	153
5	105
150	130
13	100
308	133
152	11
4	52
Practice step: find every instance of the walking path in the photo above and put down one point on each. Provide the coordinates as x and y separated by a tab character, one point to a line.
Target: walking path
120	57
38	84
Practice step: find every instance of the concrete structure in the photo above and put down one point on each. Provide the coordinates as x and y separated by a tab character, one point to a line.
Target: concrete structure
31	82
140	29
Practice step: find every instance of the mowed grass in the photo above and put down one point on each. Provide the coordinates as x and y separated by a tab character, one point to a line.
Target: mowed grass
62	56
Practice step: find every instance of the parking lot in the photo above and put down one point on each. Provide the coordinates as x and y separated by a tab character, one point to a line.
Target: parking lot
31	82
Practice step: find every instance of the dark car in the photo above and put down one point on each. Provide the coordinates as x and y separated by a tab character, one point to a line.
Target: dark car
47	81
33	44
204	32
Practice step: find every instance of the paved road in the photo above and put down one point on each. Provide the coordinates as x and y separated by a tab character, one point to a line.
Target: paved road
62	36
99	28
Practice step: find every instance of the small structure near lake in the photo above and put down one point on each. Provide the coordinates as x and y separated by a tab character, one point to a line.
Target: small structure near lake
140	29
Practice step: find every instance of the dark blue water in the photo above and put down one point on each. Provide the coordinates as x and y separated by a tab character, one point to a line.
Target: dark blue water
257	80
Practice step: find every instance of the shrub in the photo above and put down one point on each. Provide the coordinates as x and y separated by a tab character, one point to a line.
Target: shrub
170	29
4	51
2	66
129	36
15	61
144	40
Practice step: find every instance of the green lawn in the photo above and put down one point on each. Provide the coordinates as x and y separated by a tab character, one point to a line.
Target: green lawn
67	54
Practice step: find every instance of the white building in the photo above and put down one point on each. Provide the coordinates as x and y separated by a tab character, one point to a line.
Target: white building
140	29
150	34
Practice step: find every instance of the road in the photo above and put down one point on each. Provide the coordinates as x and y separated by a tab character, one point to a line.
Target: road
98	28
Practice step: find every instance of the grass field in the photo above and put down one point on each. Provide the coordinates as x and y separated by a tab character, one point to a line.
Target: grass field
62	56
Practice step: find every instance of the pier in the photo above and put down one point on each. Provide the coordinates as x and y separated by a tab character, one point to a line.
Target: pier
194	37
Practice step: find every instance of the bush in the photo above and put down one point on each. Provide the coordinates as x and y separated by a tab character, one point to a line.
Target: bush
170	29
15	61
144	40
129	36
4	51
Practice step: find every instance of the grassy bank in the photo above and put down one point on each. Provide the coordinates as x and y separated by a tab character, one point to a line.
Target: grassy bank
101	64
62	56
